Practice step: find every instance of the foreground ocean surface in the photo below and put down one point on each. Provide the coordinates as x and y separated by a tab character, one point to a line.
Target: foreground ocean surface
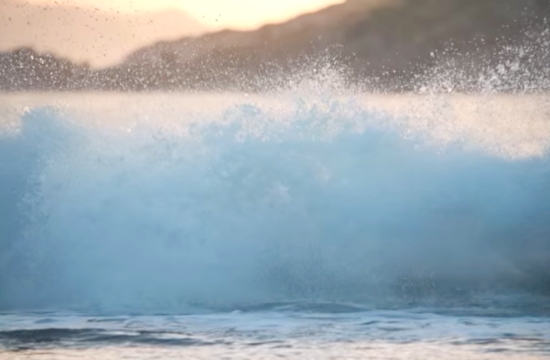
292	225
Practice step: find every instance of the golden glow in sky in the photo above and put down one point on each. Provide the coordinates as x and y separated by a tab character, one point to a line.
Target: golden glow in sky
238	14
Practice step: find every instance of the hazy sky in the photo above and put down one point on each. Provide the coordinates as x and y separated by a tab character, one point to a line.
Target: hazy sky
241	14
103	32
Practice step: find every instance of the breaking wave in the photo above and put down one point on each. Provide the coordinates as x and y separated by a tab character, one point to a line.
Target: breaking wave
325	202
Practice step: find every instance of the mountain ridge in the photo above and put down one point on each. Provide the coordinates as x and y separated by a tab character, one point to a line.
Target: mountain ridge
389	44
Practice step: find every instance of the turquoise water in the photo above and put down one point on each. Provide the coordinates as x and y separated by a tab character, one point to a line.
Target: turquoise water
276	225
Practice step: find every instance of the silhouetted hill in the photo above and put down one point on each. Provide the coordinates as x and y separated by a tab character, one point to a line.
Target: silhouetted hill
386	41
387	44
24	69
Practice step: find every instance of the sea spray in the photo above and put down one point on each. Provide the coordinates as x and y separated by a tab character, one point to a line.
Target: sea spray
326	201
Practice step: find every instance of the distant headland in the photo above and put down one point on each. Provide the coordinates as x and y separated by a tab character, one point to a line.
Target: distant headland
389	45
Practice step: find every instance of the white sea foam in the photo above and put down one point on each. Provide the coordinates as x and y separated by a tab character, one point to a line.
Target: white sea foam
165	203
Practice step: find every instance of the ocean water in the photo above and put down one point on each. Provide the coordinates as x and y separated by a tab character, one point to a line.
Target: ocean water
296	224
